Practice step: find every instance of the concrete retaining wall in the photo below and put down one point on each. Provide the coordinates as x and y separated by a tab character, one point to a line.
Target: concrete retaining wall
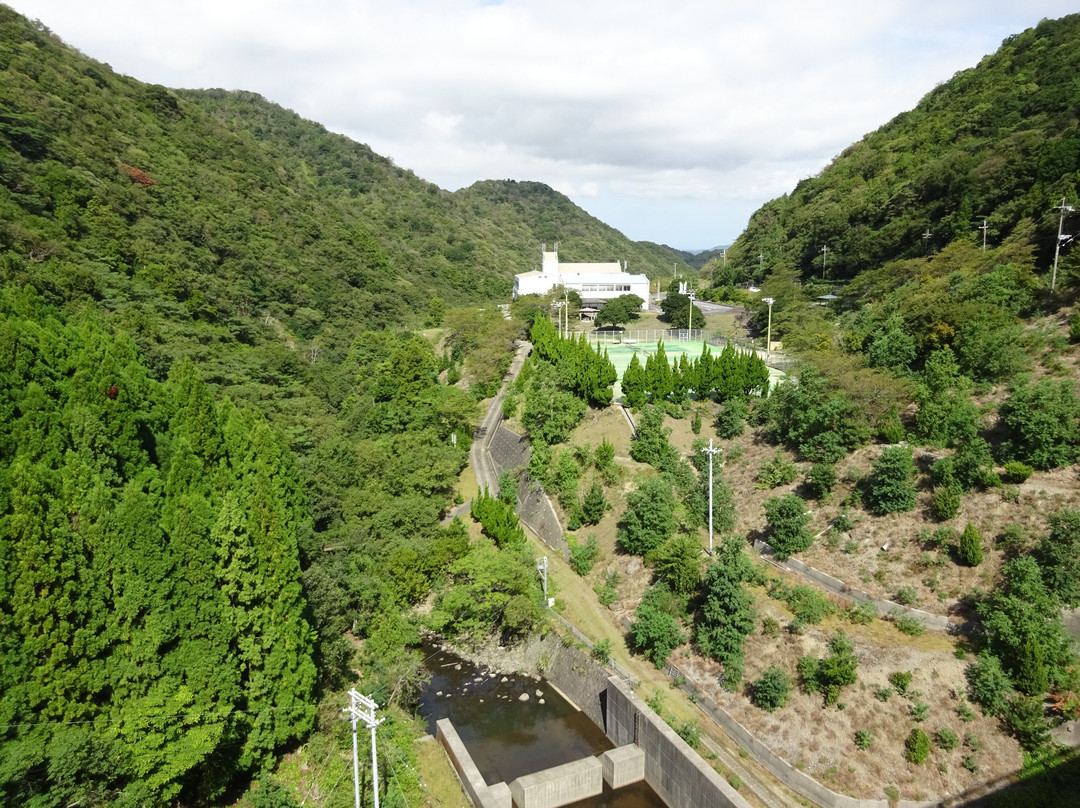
471	780
580	679
674	771
838	587
559	785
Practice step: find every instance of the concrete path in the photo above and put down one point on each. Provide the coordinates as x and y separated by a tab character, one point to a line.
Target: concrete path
479	456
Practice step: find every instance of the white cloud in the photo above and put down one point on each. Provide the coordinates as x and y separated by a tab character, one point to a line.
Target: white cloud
633	108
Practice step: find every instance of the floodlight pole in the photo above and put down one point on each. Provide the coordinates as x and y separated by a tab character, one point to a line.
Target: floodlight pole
363	708
1062	209
690	316
711	451
768	337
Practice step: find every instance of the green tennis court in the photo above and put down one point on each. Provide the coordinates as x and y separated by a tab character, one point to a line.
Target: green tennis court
621	354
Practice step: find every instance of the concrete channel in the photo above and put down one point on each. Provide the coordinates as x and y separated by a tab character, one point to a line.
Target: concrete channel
646	749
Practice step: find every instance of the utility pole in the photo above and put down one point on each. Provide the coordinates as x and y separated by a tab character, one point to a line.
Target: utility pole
761	263
768	333
362	708
984	229
1062	209
690	316
926	239
824	259
711	451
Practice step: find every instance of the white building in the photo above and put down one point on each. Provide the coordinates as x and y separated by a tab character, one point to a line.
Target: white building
595	283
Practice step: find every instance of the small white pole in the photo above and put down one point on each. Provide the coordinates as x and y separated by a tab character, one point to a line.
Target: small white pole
711	451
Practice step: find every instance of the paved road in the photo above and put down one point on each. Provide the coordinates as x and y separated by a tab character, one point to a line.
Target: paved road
704	306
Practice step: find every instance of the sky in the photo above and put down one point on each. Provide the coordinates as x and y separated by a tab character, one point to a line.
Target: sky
672	122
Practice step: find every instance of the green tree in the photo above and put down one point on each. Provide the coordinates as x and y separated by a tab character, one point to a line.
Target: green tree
649	519
676	309
1043	423
891	483
650	444
838	669
594	505
946	413
1024	628
727	614
770	690
970	549
656	632
788	517
1058	554
635	385
678	564
658	375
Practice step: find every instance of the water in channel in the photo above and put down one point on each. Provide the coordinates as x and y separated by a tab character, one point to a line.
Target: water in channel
509	735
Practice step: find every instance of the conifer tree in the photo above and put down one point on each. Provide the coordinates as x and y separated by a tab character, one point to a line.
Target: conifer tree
659	375
634	384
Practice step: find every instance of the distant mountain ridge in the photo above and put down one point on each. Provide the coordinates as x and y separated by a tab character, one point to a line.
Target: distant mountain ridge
998	142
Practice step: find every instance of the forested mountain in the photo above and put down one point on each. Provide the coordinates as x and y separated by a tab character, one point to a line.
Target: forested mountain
222	448
998	142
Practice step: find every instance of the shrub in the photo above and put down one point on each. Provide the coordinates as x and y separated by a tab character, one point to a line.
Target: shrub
601	651
965	712
864	738
843	521
901	680
770	625
946	739
906	595
861	612
690	732
606	591
777	471
947	500
917	746
1013	538
821	479
583	556
807	667
604	455
808	604
831	674
970	549
919	711
770	690
655	633
1025	719
970	764
909	625
971	741
988	684
883	694
1018	472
